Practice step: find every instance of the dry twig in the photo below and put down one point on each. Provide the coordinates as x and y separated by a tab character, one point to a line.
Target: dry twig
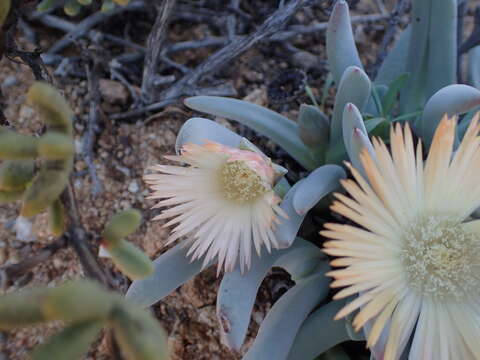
155	43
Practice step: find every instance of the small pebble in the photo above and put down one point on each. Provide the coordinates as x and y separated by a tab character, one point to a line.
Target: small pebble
133	187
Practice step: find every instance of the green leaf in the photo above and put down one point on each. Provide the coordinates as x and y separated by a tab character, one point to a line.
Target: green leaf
474	67
391	96
354	88
341	50
395	62
171	270
413	94
451	100
319	332
198	130
319	183
355	135
278	128
237	292
278	330
442	46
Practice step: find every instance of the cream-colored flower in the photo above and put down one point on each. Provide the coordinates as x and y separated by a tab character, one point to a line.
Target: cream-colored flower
413	257
223	202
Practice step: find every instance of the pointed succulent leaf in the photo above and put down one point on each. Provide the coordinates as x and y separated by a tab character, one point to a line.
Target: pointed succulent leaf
313	126
355	136
278	128
451	100
341	49
319	333
360	142
354	88
315	186
474	67
139	335
171	269
442	45
69	344
198	130
395	62
287	230
131	261
238	291
278	330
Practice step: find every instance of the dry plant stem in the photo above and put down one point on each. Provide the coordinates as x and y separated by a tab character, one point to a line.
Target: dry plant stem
85	25
222	57
89	139
16	270
79	241
155	43
94	35
225	55
389	35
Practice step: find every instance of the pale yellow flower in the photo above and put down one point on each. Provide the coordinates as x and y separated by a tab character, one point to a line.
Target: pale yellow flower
223	201
414	256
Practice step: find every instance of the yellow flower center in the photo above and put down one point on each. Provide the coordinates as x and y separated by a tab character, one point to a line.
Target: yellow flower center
240	183
442	258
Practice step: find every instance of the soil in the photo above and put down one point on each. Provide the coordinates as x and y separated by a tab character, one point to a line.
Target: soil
124	149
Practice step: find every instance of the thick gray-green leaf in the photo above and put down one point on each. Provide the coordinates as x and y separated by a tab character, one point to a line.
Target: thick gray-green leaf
319	332
451	100
313	126
354	88
315	186
413	96
341	49
287	230
279	328
278	128
395	62
355	135
172	269
442	46
237	292
474	67
199	130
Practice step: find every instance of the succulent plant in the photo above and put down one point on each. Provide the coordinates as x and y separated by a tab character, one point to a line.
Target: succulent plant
39	190
85	308
126	256
415	84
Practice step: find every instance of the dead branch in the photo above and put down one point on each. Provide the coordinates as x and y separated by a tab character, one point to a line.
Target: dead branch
155	43
83	27
222	57
92	127
19	269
